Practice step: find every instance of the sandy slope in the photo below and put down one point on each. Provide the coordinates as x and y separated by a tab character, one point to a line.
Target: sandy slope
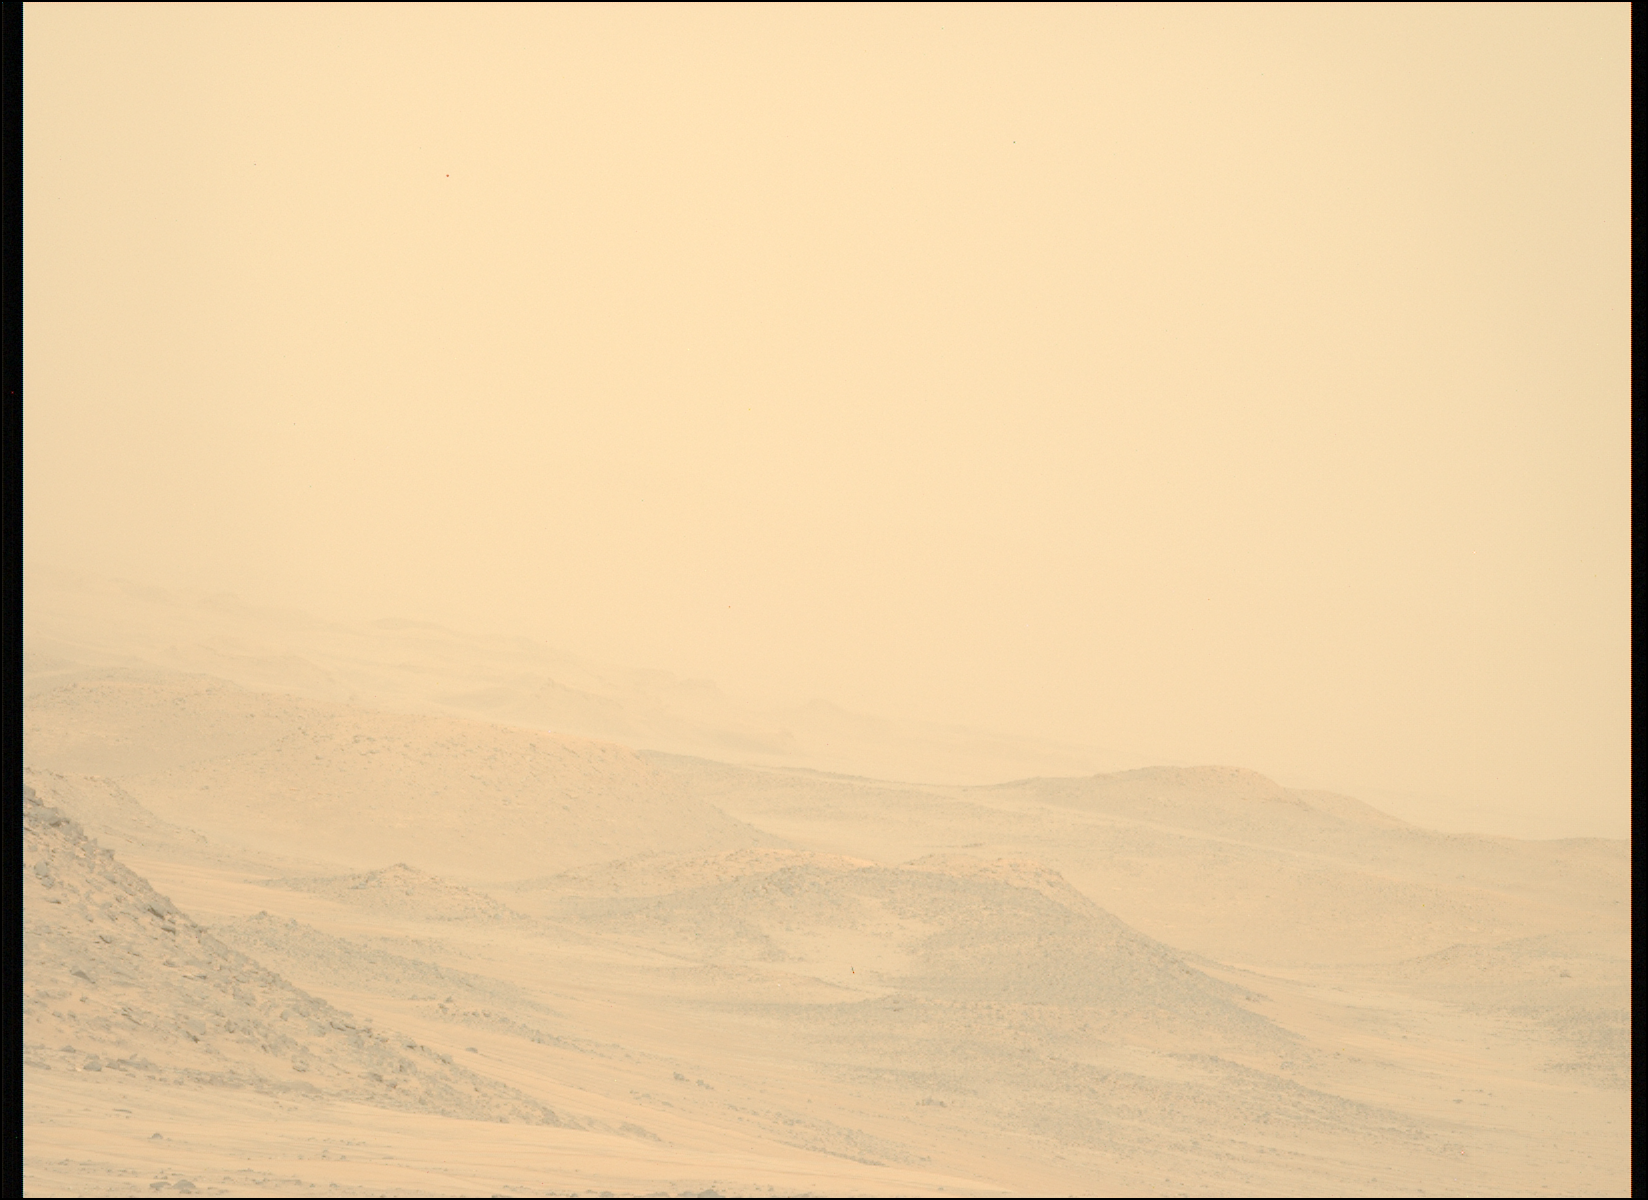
756	980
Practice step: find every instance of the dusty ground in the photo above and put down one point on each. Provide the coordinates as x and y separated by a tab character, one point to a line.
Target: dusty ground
280	943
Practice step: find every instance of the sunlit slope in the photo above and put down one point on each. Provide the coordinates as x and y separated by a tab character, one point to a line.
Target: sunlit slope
364	788
116	978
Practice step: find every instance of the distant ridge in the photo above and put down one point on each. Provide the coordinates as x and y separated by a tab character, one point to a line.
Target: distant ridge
1222	796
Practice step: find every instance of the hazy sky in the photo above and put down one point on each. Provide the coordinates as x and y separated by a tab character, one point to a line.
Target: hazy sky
1240	384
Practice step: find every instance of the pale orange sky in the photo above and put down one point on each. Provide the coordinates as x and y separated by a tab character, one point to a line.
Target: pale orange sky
1239	384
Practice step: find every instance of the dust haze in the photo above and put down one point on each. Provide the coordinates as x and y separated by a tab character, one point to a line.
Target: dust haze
800	600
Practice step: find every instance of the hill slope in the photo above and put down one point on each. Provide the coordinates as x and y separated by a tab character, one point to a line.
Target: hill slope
117	978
